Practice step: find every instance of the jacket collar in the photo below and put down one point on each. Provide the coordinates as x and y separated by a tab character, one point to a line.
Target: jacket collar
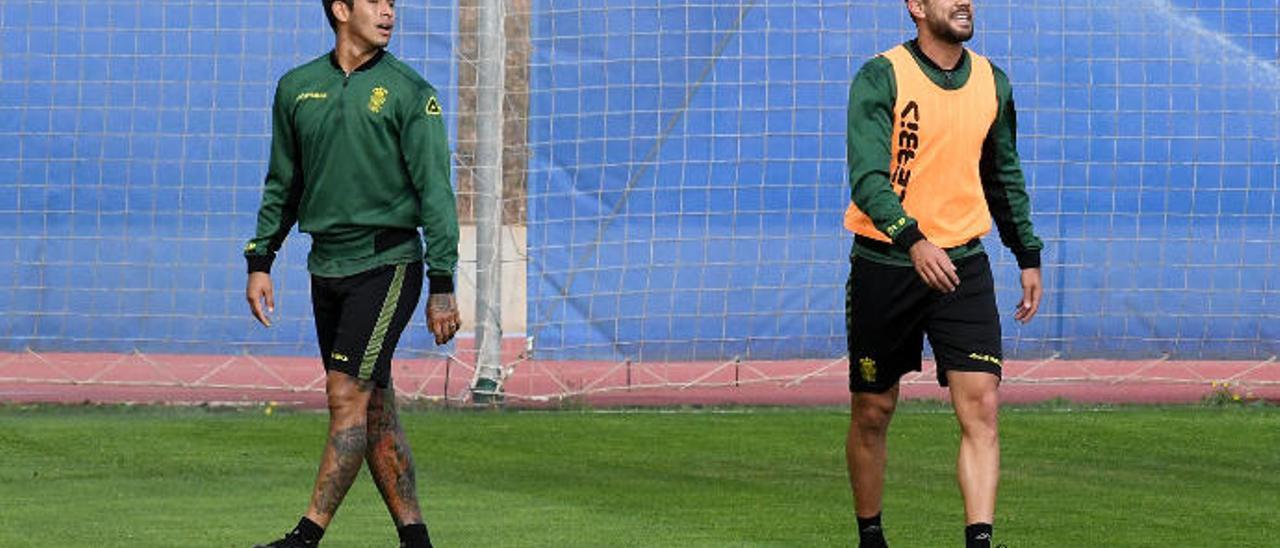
333	61
914	47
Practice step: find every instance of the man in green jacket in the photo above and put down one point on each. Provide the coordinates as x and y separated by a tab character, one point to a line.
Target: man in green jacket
359	160
932	159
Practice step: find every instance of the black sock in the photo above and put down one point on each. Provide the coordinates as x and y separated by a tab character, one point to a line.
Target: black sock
977	535
870	533
414	535
308	532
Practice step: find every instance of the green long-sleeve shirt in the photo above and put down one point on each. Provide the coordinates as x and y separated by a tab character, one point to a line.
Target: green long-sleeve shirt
870	125
359	161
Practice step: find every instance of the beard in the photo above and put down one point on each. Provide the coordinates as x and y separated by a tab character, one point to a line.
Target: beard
944	30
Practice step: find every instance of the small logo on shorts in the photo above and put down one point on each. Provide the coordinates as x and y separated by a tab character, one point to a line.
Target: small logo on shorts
340	357
868	369
985	358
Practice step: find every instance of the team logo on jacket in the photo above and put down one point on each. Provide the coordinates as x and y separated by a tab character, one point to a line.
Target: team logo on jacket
377	99
433	107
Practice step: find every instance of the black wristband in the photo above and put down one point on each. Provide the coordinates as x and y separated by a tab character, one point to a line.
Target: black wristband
440	283
260	263
1028	258
908	237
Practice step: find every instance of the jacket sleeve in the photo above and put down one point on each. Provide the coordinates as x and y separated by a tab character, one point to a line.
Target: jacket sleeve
282	189
426	154
870	129
1002	181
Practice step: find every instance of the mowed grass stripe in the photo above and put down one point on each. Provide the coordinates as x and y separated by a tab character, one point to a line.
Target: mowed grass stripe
1130	476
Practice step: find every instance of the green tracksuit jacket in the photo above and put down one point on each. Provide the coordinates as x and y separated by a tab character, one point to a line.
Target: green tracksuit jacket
870	126
359	162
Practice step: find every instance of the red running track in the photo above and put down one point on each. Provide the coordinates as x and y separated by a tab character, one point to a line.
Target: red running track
30	377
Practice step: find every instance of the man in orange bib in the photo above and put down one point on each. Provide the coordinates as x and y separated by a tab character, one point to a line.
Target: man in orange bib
932	159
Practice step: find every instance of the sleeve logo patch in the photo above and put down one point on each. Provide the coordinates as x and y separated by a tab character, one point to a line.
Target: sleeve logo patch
895	227
377	98
433	107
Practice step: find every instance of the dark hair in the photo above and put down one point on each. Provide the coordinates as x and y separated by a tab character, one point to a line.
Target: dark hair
328	11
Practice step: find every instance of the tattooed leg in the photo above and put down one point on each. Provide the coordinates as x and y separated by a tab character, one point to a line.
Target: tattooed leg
344	454
390	460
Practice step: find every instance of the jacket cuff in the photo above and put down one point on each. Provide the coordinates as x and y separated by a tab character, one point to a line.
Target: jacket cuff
1028	258
440	283
260	263
908	237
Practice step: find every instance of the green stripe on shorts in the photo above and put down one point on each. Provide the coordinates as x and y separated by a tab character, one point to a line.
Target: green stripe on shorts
379	334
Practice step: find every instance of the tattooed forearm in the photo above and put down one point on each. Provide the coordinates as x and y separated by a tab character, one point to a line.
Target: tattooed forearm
342	460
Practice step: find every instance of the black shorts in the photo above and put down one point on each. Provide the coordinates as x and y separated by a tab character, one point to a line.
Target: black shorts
889	309
359	318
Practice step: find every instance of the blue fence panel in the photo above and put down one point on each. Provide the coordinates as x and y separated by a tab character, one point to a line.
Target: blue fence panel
687	175
133	145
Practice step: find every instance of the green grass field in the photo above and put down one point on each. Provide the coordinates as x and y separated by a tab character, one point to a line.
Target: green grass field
1127	476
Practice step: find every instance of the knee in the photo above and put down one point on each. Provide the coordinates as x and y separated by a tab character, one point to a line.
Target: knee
980	414
872	414
344	413
348	398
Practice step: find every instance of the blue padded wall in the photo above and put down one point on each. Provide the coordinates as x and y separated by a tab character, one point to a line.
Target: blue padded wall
686	174
133	145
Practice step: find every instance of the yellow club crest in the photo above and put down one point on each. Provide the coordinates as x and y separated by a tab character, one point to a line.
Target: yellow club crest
868	369
377	99
433	107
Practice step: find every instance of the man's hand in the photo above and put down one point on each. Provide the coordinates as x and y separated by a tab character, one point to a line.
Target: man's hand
442	316
1031	291
934	266
256	292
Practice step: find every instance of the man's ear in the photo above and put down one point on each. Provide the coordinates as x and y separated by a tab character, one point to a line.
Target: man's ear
914	7
341	11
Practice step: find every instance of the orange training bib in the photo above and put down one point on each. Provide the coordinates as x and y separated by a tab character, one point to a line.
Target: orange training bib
936	148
